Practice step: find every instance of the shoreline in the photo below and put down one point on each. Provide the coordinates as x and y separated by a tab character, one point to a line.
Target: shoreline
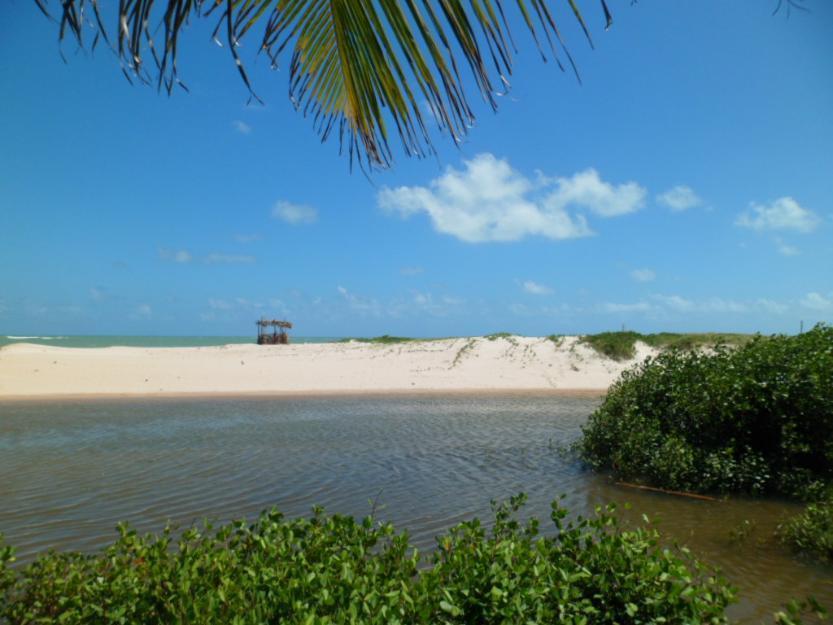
478	365
306	395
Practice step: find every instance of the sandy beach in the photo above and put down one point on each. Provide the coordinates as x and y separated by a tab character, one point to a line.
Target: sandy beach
460	364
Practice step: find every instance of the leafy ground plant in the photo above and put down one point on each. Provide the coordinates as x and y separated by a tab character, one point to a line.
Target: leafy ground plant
811	531
755	419
334	569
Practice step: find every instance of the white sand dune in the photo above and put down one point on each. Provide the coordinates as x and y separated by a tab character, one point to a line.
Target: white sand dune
462	364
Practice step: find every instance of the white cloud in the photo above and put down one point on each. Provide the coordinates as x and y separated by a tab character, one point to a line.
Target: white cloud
643	275
679	198
242	302
554	310
96	294
587	190
235	304
785	249
357	303
294	213
675	302
216	258
219	304
416	304
489	201
782	214
426	303
242	127
612	307
279	306
770	306
411	271
535	288
817	301
428	109
661	306
718	305
177	256
143	311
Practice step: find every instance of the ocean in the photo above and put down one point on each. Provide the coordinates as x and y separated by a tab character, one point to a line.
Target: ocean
147	341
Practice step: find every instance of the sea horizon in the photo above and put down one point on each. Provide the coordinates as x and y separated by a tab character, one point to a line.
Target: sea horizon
140	340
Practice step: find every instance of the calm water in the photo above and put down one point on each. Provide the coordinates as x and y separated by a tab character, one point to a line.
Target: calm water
146	341
70	471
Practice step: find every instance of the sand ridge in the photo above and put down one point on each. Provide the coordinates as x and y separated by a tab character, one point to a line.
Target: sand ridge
478	363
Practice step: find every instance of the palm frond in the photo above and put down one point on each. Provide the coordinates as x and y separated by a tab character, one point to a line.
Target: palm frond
373	70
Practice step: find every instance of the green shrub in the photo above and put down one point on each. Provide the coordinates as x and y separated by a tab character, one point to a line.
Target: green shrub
757	418
333	569
811	531
622	345
385	339
615	345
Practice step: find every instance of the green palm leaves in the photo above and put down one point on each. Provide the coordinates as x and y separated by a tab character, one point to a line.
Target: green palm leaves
371	70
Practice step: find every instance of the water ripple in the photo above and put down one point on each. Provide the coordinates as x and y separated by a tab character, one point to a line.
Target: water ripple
69	472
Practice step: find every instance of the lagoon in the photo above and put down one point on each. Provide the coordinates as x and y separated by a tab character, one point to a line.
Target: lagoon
70	470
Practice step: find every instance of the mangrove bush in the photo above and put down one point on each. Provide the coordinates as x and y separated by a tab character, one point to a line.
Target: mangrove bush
811	531
334	569
757	418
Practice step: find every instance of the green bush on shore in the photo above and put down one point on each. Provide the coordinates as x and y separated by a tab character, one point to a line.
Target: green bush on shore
622	345
385	339
811	531
333	569
754	419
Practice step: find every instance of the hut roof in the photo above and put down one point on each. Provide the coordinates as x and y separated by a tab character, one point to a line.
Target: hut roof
279	323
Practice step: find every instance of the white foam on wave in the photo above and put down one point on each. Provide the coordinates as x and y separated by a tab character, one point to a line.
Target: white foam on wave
40	338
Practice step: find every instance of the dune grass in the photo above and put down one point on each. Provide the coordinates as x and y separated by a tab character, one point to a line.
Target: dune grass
622	345
385	339
615	345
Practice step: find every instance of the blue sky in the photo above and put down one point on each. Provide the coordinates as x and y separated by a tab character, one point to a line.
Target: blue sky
685	185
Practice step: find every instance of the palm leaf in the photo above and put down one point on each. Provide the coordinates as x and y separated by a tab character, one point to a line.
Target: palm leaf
370	69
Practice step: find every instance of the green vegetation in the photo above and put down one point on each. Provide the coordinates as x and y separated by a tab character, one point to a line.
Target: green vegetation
385	339
615	345
621	345
755	419
692	340
458	357
811	531
557	339
498	335
333	569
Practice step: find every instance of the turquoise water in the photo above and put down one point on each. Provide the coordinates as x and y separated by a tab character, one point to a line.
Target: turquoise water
147	341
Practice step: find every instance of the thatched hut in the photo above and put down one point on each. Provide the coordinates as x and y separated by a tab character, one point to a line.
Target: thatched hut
272	331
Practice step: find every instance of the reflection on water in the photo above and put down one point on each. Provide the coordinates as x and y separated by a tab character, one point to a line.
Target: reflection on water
70	471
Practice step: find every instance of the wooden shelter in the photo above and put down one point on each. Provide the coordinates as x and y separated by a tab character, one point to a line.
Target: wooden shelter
272	331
